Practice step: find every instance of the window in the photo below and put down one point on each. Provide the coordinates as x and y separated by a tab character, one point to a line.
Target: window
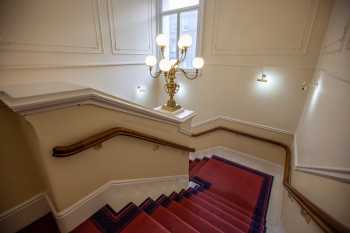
178	17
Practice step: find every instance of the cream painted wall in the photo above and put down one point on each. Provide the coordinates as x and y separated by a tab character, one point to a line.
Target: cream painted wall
262	150
102	47
73	178
322	138
95	43
21	178
243	38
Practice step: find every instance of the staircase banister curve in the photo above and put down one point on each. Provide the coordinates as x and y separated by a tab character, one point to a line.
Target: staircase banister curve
99	138
326	222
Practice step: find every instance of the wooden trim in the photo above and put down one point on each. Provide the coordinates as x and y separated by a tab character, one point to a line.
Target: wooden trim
97	139
325	221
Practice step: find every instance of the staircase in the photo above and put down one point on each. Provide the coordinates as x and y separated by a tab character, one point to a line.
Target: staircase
223	197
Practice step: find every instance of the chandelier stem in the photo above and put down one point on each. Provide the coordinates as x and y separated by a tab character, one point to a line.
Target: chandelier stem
171	88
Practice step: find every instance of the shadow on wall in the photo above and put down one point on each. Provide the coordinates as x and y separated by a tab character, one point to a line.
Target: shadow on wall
19	170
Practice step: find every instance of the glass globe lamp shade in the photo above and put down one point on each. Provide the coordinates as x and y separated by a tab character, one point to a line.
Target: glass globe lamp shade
162	40
164	65
185	41
151	60
198	62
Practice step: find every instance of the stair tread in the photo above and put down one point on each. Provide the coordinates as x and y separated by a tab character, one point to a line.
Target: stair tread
223	201
197	167
144	223
191	218
213	196
226	179
241	224
172	222
86	227
209	216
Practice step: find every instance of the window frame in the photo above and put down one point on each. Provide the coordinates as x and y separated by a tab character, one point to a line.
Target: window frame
199	8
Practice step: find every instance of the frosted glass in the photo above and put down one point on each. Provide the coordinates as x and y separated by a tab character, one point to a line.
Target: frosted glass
177	4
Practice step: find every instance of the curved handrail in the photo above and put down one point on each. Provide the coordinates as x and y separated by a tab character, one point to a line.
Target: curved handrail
326	222
97	139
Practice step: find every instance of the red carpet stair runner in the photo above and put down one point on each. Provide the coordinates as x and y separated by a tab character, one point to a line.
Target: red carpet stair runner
224	197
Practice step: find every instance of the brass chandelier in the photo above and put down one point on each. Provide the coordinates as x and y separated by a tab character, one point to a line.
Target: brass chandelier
169	68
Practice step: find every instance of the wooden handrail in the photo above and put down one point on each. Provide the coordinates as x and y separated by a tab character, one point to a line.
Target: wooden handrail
326	222
97	139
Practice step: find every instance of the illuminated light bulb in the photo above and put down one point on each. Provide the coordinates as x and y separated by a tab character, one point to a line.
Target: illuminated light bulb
164	65
198	62
173	62
162	40
185	41
151	60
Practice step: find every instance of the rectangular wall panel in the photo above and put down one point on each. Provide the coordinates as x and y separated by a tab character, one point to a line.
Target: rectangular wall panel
131	26
273	27
50	26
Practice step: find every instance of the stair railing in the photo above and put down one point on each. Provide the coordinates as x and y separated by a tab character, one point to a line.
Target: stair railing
99	138
326	222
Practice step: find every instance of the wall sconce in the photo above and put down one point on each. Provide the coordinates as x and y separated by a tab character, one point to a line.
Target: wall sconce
262	78
305	86
140	90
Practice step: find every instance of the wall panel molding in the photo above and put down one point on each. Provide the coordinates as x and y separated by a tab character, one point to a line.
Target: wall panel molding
115	25
301	49
341	22
50	66
338	44
18	45
337	173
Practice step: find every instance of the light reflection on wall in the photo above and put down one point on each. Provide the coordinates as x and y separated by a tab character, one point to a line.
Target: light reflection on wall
316	88
182	91
272	84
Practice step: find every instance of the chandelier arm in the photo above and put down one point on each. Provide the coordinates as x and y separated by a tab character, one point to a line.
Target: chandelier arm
154	75
162	52
183	55
188	76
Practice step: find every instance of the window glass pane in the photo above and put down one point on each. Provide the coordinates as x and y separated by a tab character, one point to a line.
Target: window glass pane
169	28
188	25
176	4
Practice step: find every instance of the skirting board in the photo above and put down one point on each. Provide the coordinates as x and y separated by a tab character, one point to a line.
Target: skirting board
24	214
116	193
275	206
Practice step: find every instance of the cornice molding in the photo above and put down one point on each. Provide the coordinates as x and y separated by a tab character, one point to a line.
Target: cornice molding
52	96
242	122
